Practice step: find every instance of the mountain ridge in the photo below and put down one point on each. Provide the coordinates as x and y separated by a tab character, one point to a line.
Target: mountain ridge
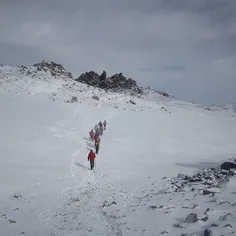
115	83
53	81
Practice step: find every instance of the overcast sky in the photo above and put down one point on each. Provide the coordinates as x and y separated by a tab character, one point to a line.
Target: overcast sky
184	47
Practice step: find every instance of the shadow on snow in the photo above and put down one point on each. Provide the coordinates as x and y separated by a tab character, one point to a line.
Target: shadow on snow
81	165
88	139
90	145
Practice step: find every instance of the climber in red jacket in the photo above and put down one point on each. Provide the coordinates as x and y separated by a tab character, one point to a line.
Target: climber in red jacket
91	158
91	133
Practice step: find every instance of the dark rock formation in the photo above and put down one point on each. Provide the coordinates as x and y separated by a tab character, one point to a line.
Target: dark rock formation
178	225
96	98
228	165
12	221
207	181
164	232
132	102
90	78
191	218
106	204
117	82
54	68
103	76
164	94
153	207
74	99
208	232
204	219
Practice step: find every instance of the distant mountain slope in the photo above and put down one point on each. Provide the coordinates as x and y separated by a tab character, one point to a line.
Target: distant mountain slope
53	81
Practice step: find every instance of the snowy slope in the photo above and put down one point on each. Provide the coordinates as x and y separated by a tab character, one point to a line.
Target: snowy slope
47	188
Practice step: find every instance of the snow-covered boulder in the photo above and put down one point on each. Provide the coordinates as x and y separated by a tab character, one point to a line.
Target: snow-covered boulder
191	218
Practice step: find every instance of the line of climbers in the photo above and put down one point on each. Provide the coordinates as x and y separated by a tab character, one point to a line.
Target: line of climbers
95	136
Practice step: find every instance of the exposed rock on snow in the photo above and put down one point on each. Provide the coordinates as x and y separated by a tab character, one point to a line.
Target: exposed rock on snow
190	207
12	221
164	94
225	202
103	76
191	218
225	217
207	210
106	204
208	181
164	232
205	219
54	68
74	99
153	207
211	191
228	165
178	225
17	196
208	232
228	225
214	225
90	78
96	98
117	82
132	102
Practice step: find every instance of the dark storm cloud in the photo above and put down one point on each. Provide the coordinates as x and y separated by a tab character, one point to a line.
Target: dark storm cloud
176	45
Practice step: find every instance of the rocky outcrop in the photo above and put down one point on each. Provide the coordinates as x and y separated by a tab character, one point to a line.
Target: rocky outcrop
74	99
117	82
228	165
209	181
90	78
207	232
164	94
191	218
54	68
96	98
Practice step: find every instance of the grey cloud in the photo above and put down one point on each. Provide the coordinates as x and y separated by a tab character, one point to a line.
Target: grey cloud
163	68
19	55
176	46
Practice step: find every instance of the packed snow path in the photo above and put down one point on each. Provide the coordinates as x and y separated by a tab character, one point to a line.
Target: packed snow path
47	188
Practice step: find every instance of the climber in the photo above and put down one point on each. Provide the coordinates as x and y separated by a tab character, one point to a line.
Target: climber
105	124
91	133
101	129
97	131
97	144
100	124
91	158
96	137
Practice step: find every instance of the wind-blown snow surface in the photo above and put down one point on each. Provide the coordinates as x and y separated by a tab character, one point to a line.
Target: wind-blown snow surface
47	188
